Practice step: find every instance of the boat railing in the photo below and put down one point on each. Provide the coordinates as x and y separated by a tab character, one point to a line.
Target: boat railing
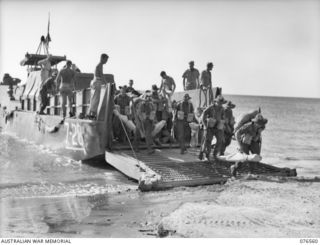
80	100
80	103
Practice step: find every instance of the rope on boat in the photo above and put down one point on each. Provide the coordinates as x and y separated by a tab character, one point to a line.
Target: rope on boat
134	153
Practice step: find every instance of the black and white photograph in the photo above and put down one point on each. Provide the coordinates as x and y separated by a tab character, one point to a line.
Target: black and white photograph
159	119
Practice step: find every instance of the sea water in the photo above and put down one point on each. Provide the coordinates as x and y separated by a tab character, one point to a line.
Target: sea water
292	135
40	190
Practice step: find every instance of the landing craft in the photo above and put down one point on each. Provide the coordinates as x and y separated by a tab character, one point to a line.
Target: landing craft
83	139
79	138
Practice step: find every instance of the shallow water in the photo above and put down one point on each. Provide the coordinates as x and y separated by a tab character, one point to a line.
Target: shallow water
42	193
29	170
291	135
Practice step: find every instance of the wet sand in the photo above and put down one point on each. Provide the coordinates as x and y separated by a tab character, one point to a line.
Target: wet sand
250	207
129	213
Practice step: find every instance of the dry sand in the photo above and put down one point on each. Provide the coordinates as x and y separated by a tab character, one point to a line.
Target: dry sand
251	208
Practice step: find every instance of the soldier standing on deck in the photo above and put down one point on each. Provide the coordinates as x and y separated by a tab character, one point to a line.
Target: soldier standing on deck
66	86
45	67
95	85
213	120
47	87
206	85
167	87
184	115
191	78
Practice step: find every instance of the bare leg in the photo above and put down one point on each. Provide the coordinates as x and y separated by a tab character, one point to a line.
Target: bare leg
205	98
63	104
70	104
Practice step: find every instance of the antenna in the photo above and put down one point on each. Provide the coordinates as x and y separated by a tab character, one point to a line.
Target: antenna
48	38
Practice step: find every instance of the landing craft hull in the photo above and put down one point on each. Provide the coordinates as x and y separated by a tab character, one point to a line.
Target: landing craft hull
78	139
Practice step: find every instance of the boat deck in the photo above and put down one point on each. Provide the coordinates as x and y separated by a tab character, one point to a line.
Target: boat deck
167	168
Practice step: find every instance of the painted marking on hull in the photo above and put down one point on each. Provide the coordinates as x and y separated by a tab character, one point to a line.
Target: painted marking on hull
74	138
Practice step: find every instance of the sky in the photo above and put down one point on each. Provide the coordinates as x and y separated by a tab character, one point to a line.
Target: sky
258	47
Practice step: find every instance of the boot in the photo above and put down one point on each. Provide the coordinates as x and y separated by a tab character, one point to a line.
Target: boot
201	155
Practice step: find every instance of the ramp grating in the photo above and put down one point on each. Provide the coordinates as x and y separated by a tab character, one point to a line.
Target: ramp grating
187	170
177	171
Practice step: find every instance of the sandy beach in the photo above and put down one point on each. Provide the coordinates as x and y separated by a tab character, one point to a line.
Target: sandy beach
252	206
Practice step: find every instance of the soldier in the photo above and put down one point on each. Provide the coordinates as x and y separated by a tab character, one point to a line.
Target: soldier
228	126
47	87
96	86
45	67
167	87
191	78
206	85
184	115
144	118
213	120
130	87
158	101
198	121
122	102
248	135
65	84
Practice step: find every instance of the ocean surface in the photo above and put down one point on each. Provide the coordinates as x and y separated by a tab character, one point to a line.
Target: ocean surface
39	188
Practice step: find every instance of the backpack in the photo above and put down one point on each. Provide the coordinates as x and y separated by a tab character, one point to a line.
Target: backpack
245	118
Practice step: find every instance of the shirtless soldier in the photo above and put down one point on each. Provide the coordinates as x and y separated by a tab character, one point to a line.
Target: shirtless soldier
65	84
95	85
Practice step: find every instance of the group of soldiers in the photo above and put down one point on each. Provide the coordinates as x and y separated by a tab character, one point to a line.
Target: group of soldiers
54	81
156	118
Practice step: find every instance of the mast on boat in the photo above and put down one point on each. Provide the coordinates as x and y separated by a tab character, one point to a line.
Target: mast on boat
42	52
44	41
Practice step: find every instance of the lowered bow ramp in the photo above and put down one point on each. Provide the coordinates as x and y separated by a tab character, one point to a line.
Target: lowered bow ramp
166	168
